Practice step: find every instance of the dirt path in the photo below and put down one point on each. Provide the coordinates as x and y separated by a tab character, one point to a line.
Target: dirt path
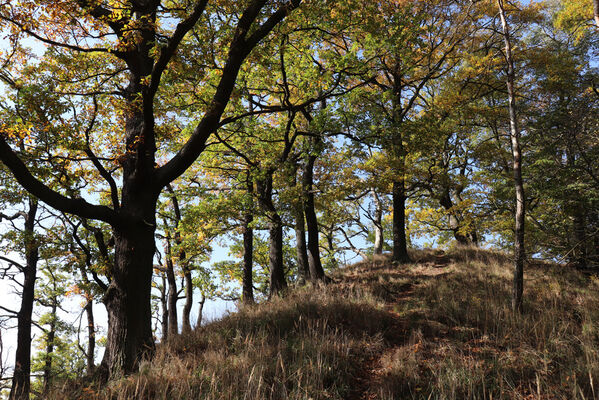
367	380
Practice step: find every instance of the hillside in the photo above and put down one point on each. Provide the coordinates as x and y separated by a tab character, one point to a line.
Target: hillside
438	328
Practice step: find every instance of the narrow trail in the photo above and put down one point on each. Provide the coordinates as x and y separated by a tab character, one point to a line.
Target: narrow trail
367	380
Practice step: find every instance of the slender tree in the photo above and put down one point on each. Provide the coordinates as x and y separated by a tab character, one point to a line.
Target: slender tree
519	250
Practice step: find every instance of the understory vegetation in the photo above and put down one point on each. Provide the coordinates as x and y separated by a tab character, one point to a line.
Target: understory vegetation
438	328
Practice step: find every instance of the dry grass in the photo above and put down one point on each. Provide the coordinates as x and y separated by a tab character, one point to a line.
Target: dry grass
440	328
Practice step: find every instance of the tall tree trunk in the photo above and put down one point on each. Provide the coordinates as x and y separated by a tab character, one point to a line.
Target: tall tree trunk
22	369
50	347
400	243
164	307
248	248
596	11
314	263
275	232
303	266
378	224
89	314
173	295
519	250
91	337
188	279
186	323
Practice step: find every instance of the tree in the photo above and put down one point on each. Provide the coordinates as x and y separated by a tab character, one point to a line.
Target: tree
137	51
519	250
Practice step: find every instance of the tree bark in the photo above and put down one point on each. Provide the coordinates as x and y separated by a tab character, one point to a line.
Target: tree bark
596	12
50	347
201	310
91	337
303	266
313	247
89	314
275	232
519	250
378	224
128	297
164	306
400	243
188	279
186	323
22	369
173	295
248	248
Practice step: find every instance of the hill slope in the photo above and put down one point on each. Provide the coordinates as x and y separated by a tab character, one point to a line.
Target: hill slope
438	328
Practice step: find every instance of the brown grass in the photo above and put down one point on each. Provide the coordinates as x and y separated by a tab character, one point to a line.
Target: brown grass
440	328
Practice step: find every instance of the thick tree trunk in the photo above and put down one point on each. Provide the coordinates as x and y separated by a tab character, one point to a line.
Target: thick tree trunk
400	243
275	232
519	250
378	224
313	247
248	249
22	369
128	297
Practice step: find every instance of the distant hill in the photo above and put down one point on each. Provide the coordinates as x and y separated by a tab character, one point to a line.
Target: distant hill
439	328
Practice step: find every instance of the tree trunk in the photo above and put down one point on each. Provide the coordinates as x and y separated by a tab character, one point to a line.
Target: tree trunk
303	265
91	337
248	249
400	244
519	250
164	306
188	301
173	295
22	369
314	263
596	11
455	223
89	313
50	347
128	297
378	224
275	231
201	310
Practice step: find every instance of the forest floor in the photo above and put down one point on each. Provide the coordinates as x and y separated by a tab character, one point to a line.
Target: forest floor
438	328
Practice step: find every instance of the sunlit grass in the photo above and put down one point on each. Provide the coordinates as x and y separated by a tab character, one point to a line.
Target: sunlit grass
440	328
